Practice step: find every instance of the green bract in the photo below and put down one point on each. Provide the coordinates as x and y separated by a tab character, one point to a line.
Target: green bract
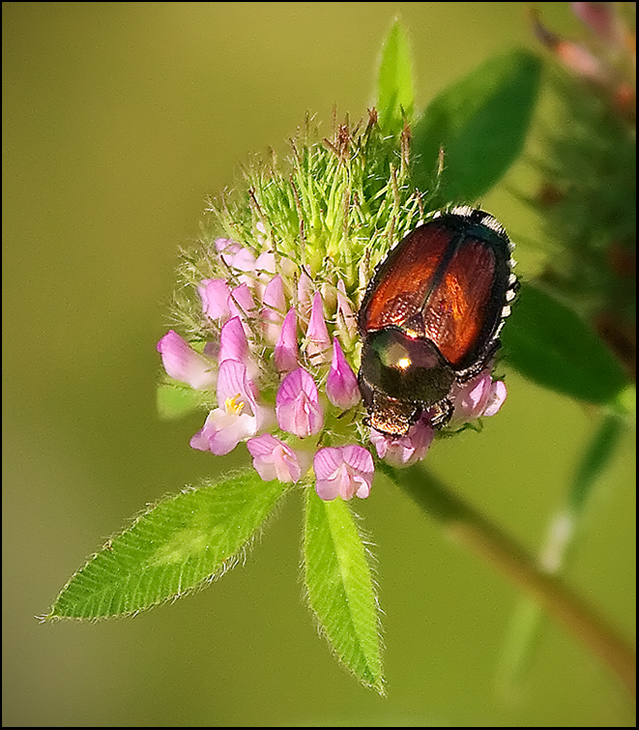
332	210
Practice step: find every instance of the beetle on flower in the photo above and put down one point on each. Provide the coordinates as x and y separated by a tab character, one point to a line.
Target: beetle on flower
271	310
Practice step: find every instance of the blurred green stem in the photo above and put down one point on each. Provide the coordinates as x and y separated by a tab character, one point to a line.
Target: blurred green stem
563	533
468	527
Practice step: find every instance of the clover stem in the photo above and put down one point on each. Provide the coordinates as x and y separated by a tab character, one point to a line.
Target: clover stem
465	525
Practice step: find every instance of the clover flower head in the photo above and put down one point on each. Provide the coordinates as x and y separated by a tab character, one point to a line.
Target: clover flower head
270	299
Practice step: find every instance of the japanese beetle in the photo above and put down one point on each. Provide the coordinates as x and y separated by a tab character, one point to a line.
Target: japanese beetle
431	317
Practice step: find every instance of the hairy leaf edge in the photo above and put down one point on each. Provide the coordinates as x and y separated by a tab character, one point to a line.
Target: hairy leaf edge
237	558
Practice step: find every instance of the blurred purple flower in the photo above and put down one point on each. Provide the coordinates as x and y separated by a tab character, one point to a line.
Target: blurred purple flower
603	19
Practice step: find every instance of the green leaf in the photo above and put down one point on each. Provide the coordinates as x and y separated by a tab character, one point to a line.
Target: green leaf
175	546
395	95
597	457
481	123
340	588
174	400
549	344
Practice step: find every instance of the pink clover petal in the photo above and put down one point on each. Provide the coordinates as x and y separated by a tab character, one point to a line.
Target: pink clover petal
234	255
243	260
265	265
222	244
239	394
233	342
183	363
360	461
478	397
319	340
470	398
496	398
304	296
234	346
286	351
274	307
241	301
341	386
345	315
223	431
407	449
273	459
274	295
237	416
235	392
297	405
343	471
215	295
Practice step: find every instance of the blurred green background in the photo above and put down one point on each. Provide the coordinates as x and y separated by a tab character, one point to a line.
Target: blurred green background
118	119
